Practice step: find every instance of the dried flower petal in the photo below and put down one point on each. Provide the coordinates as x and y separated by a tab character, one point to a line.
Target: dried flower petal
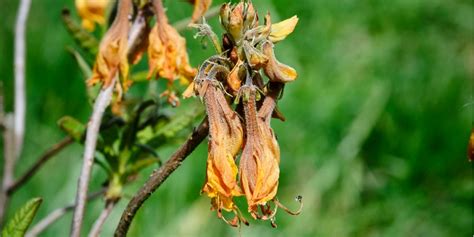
112	56
259	164
91	12
282	29
167	51
225	141
276	71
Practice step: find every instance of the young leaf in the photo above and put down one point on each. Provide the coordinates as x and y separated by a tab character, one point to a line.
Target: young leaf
22	219
72	127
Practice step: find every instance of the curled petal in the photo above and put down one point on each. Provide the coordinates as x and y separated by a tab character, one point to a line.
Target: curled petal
276	71
255	58
233	80
282	29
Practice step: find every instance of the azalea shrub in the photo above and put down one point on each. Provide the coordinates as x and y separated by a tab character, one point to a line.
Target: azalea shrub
236	92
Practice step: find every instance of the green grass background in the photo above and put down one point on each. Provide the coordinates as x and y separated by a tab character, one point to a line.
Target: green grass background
375	138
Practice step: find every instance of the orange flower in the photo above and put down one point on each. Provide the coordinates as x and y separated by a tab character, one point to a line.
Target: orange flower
225	141
167	50
112	56
91	12
259	164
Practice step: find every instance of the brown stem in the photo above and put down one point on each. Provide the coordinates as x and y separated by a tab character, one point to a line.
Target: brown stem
160	175
52	151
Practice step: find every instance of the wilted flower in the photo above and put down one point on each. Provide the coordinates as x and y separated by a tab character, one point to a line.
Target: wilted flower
91	12
259	165
225	141
167	54
112	56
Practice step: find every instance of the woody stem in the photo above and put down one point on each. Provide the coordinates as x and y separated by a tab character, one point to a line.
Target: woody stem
159	176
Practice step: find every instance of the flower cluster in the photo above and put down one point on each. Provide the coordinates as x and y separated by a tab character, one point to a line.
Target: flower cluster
167	55
235	74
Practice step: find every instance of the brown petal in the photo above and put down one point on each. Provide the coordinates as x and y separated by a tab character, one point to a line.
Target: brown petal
276	71
225	141
259	164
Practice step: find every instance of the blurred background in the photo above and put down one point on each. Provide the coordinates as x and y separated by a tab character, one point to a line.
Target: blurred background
375	138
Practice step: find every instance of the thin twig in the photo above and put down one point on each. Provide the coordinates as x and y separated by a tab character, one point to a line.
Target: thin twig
183	24
99	223
160	175
20	58
56	214
52	151
14	131
101	103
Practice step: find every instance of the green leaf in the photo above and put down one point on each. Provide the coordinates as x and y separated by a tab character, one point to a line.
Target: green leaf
22	219
72	127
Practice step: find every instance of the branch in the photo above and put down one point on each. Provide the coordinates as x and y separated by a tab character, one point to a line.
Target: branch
20	101
99	223
56	214
101	103
52	151
160	175
14	126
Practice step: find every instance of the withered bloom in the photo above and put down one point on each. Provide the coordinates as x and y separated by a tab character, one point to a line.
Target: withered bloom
91	12
276	71
225	141
167	54
259	164
112	56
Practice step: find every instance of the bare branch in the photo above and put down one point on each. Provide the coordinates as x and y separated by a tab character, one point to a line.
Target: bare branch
52	151
56	214
160	175
20	100
101	103
99	223
14	125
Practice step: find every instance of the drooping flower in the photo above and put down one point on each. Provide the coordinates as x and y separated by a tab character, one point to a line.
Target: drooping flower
91	12
112	56
259	164
167	53
225	141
